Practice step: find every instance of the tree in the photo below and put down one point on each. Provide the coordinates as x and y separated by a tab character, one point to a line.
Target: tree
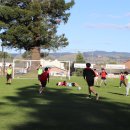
79	59
5	55
32	24
27	54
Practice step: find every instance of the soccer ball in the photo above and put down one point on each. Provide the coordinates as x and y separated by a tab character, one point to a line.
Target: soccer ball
79	88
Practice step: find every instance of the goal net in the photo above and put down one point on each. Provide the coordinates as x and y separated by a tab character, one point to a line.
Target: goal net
27	69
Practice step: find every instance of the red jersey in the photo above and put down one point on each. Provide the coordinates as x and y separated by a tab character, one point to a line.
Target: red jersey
122	77
103	74
44	76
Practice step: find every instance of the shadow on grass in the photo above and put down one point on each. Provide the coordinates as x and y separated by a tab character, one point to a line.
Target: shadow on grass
58	109
116	93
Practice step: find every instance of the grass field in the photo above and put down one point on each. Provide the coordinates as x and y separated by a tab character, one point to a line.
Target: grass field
62	108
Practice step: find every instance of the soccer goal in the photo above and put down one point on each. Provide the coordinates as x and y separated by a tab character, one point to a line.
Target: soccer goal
27	69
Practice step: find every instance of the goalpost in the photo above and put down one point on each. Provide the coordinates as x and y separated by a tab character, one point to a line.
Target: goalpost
27	69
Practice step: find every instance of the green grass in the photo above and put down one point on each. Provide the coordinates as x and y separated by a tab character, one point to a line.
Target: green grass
62	108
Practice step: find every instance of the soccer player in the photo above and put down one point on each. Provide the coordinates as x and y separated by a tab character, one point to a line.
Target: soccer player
39	71
9	74
127	79
103	75
122	79
96	77
88	75
44	77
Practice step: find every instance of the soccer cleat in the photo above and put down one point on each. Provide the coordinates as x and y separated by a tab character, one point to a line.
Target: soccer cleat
88	97
97	96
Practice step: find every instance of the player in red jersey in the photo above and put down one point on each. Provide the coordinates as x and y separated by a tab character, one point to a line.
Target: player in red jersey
44	77
103	75
122	79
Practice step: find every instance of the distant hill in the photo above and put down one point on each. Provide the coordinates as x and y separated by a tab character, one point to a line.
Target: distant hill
91	56
95	56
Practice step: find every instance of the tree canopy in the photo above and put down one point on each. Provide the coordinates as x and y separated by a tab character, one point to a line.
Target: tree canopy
26	24
80	58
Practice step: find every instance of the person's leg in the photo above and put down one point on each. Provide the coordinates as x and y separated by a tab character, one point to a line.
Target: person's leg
124	83
105	82
43	85
127	89
120	84
89	92
94	92
91	88
95	81
8	78
101	82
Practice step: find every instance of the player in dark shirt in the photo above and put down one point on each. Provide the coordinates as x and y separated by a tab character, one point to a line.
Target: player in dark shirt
88	75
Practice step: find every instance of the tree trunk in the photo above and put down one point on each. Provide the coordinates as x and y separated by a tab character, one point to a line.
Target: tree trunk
35	53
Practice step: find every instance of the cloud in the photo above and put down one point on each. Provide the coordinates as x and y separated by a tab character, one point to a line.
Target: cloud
127	14
112	16
108	26
127	26
96	15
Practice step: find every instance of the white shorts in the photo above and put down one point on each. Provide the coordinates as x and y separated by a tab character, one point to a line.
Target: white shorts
96	78
128	85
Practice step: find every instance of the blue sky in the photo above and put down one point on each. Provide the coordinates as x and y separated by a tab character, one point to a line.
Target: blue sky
98	25
102	25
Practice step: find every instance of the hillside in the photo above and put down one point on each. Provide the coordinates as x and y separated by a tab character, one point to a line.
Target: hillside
95	56
98	57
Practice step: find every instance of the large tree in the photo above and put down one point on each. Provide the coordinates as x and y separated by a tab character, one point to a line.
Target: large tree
79	59
32	24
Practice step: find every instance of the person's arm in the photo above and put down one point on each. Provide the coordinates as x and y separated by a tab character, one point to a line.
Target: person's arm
84	74
48	78
94	74
126	80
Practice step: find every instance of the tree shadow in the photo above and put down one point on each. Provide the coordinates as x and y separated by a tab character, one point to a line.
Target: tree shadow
59	109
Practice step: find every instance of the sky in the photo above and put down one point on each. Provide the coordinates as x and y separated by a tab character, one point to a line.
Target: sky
98	25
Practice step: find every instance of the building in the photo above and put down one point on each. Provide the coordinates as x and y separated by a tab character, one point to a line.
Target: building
127	64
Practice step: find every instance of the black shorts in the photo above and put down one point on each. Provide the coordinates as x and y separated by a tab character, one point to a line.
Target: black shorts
9	76
90	82
43	83
103	78
73	84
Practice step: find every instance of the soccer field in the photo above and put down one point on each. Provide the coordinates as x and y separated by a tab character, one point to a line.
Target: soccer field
62	108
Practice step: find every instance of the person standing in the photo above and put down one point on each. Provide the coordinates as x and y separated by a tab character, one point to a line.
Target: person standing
103	75
88	75
127	80
122	79
39	71
44	77
9	74
96	77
